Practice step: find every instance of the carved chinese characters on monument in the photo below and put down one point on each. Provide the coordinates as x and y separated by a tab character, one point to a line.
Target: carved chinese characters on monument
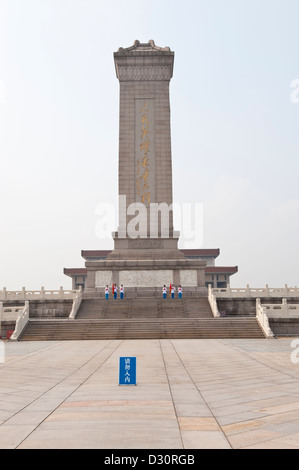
144	151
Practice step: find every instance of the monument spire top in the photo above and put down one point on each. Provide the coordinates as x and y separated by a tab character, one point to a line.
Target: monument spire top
138	46
144	62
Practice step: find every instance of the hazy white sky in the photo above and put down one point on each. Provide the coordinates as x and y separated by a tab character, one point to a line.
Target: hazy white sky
235	129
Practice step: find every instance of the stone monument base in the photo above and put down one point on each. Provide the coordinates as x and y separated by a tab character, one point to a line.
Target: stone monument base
146	248
144	273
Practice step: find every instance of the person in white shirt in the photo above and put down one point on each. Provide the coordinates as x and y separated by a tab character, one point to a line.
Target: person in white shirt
172	291
180	291
164	292
121	291
115	291
107	292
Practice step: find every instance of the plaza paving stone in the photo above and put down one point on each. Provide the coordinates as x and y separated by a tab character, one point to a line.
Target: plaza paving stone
190	394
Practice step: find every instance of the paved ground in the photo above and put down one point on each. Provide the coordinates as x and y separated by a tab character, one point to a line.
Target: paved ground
191	394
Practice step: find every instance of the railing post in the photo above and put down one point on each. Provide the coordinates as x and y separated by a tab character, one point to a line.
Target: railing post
42	292
258	305
262	318
284	307
213	302
61	292
21	322
23	293
285	290
76	304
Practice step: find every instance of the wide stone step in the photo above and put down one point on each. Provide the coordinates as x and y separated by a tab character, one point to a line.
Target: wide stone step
100	308
141	329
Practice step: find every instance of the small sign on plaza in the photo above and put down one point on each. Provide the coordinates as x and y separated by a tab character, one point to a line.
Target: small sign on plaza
127	371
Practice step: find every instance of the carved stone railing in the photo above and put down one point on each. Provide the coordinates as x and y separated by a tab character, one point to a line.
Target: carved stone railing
283	310
256	292
76	304
37	294
213	302
10	313
21	322
144	292
262	318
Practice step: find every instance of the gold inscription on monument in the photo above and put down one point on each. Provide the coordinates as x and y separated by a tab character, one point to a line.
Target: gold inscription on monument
144	151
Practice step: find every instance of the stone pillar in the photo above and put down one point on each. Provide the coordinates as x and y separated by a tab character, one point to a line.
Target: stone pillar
90	280
145	168
201	277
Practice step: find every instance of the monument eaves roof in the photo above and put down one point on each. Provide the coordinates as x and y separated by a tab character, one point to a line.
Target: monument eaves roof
143	48
94	253
221	269
214	252
208	269
73	271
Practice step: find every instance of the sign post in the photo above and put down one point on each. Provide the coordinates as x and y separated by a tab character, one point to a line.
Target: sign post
127	371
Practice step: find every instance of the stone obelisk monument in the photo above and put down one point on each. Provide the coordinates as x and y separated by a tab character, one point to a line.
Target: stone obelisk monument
146	250
145	167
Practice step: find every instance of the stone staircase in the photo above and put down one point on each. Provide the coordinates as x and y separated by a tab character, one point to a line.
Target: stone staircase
142	318
145	308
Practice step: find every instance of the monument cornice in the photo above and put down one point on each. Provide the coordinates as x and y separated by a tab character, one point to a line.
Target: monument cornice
143	48
138	264
143	72
144	62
